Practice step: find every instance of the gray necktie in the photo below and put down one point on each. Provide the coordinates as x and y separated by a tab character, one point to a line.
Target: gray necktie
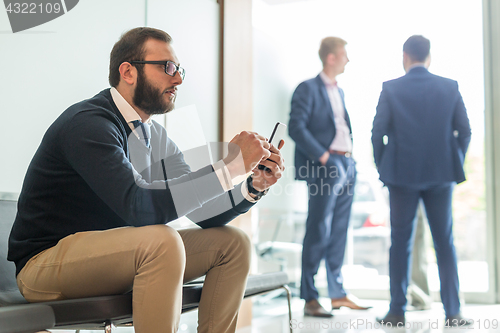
146	131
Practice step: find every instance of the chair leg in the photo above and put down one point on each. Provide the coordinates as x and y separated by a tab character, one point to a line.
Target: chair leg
108	327
289	298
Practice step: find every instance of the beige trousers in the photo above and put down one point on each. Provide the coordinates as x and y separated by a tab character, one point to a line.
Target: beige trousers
154	262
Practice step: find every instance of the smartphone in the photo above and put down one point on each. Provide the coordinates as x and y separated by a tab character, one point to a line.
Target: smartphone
277	135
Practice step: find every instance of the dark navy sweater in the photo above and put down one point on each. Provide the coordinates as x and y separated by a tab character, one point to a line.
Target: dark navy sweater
81	178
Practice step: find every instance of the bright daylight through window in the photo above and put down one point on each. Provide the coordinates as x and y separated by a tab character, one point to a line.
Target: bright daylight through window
287	35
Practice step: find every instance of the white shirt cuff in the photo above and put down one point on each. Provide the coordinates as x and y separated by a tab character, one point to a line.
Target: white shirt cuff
222	173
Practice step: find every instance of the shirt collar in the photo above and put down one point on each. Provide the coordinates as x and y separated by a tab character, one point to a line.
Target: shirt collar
326	80
418	64
127	111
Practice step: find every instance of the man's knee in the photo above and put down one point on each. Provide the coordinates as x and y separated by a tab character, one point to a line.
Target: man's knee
239	245
161	241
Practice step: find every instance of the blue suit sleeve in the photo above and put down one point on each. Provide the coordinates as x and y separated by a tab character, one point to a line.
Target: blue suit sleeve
461	124
381	124
302	107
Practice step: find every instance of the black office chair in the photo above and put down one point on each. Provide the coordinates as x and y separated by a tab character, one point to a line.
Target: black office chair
25	318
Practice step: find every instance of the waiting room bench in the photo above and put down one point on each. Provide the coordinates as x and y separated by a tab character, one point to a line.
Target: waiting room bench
104	312
26	318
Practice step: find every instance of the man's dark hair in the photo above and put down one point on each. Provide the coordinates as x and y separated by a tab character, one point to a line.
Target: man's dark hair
130	47
417	47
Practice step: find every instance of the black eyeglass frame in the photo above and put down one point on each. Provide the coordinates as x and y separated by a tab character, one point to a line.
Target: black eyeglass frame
182	71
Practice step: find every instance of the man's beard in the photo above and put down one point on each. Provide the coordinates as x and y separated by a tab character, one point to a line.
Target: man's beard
150	99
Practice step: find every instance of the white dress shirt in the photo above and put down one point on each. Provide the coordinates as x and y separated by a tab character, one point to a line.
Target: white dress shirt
342	140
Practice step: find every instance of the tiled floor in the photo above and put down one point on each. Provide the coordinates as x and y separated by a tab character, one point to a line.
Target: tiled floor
272	317
275	320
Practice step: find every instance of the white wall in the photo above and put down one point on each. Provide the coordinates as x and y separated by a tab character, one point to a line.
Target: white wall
194	27
50	67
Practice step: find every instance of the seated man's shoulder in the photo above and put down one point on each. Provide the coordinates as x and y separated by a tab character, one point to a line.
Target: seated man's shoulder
100	102
93	117
99	105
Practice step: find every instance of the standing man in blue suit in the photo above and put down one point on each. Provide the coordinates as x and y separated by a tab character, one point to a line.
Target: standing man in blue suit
427	132
320	126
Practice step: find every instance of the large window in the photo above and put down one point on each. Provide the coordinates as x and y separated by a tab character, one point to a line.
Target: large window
286	39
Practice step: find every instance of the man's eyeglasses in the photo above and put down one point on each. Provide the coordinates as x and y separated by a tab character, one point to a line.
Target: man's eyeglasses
170	67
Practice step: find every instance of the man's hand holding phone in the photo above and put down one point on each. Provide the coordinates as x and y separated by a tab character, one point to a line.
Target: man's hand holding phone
275	165
245	151
271	169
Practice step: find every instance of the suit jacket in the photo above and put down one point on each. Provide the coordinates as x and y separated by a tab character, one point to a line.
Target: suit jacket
312	125
425	121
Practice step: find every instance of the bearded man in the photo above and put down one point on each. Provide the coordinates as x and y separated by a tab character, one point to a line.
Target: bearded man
106	180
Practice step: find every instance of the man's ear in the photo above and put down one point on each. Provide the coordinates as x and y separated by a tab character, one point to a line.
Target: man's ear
428	61
331	58
406	61
406	57
128	73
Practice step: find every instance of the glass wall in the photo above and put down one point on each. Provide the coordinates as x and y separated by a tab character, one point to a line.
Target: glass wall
287	35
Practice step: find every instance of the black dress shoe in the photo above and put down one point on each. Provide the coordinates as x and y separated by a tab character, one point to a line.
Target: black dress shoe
314	309
393	320
457	321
